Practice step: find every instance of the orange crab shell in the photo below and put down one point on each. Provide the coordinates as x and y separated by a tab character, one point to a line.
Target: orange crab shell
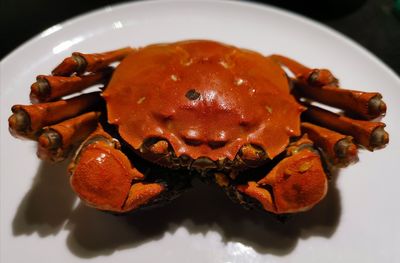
205	98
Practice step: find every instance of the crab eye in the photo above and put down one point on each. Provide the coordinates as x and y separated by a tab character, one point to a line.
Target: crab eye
193	142
218	140
192	137
216	144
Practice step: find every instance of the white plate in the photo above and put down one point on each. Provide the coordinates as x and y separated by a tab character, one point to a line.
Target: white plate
41	220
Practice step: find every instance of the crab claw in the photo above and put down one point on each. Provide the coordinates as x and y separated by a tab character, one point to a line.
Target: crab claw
296	184
104	178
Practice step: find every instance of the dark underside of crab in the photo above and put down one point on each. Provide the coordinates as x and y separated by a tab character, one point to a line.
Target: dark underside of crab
172	112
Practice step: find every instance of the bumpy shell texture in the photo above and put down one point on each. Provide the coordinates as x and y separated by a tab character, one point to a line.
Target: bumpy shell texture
205	98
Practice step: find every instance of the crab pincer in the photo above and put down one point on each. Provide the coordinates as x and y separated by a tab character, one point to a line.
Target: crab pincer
104	177
295	184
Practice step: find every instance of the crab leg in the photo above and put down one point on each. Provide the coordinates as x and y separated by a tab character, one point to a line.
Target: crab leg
28	120
48	88
322	86
57	140
81	63
369	134
338	147
314	77
367	105
295	184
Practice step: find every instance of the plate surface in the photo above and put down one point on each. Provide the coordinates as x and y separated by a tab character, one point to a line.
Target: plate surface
41	219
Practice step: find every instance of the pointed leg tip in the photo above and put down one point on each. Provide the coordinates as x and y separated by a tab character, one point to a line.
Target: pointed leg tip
75	63
376	106
50	139
39	91
345	149
379	138
44	141
19	123
321	77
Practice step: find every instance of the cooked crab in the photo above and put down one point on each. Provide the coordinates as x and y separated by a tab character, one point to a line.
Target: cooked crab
197	108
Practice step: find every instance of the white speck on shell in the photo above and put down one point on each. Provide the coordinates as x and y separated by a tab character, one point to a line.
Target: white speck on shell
239	81
174	77
140	101
187	62
100	159
224	64
289	131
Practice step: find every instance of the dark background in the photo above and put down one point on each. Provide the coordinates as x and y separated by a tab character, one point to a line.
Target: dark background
375	24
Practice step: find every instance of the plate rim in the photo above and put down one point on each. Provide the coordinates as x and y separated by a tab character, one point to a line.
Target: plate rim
278	10
306	22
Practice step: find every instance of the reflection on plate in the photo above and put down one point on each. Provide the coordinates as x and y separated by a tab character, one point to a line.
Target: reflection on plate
42	219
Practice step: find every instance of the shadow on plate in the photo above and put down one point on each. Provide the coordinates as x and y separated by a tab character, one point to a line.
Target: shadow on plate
48	204
50	207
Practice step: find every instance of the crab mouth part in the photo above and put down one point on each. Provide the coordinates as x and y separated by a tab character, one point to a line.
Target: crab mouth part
160	151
